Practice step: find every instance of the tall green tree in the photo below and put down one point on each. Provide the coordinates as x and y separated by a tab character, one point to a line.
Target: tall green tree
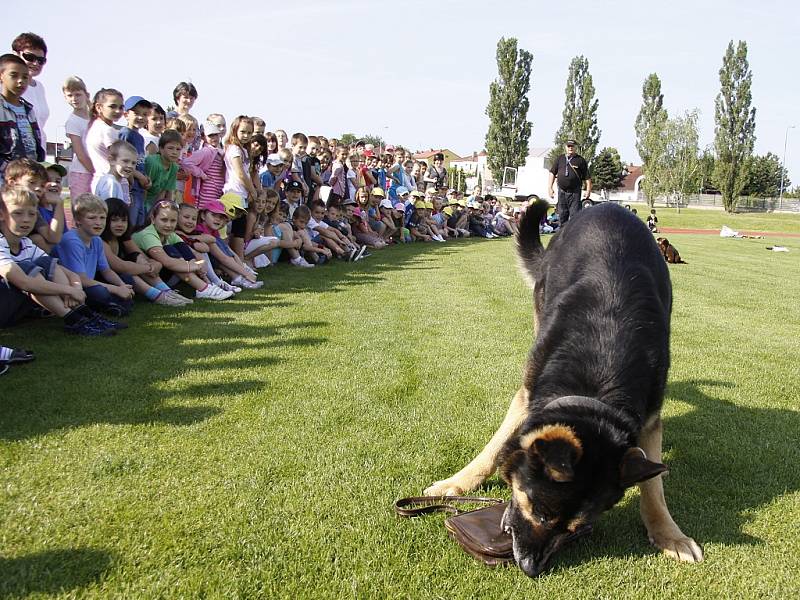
734	133
706	184
675	165
579	119
509	128
608	171
764	175
649	127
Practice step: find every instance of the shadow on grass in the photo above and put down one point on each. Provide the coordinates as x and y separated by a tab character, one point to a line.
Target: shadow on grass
145	380
136	377
52	571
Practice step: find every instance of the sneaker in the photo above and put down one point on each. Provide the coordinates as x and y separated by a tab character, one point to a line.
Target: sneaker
241	282
361	252
351	256
167	299
229	287
212	292
301	262
115	310
89	327
251	270
109	324
179	297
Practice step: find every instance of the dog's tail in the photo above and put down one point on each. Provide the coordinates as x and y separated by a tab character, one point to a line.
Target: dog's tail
529	244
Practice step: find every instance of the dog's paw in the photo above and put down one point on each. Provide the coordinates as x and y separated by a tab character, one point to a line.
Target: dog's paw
445	487
678	546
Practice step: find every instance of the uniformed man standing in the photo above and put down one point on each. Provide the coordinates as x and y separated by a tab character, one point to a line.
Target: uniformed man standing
571	170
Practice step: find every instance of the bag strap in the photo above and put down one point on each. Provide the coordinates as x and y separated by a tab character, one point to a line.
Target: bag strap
423	505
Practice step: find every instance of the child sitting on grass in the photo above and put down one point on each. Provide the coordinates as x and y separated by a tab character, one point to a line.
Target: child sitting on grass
30	277
160	242
205	231
338	217
314	251
81	251
282	229
132	266
258	245
46	186
330	237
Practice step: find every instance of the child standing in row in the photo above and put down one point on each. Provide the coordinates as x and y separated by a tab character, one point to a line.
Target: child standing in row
207	167
237	175
156	124
162	168
137	110
19	131
106	110
80	169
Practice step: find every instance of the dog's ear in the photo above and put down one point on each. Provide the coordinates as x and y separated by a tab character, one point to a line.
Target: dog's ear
556	448
634	467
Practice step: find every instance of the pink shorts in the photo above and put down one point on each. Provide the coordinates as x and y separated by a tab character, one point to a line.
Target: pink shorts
79	183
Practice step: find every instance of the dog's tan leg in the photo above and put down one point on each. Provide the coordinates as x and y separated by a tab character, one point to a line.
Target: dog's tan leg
662	531
482	466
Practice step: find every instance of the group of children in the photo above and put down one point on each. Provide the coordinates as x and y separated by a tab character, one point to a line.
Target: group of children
165	203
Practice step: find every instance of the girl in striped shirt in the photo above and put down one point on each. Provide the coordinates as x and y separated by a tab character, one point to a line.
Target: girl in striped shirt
207	167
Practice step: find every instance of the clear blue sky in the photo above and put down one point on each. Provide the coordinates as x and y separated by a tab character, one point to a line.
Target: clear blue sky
417	73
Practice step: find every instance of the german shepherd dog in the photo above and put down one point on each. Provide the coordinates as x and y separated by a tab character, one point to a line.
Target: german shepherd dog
585	425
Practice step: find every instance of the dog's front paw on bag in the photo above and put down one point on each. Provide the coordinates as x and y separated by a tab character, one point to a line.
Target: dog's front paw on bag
678	546
445	487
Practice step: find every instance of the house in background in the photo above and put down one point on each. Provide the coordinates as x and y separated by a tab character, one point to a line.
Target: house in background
630	190
427	156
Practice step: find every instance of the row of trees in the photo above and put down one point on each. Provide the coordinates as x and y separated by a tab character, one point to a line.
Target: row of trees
672	161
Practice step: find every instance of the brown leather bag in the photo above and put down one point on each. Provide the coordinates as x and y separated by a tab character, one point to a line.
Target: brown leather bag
478	531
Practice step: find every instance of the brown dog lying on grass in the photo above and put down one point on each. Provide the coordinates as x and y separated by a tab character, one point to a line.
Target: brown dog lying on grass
586	423
670	252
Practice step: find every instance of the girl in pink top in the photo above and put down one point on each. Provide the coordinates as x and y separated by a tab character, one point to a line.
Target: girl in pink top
107	108
207	167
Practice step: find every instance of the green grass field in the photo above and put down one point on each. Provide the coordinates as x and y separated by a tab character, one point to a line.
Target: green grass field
253	448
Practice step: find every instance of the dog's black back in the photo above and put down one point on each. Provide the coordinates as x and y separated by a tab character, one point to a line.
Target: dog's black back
601	274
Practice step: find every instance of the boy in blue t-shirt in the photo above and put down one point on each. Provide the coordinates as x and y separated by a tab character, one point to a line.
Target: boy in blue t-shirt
137	112
81	251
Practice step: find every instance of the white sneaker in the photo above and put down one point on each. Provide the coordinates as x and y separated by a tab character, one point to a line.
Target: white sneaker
213	292
178	297
224	285
165	299
301	262
251	270
241	282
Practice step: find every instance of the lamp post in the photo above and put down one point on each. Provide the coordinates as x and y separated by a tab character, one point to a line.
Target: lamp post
783	164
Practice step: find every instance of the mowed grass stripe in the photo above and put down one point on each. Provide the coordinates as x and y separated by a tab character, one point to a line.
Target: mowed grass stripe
253	448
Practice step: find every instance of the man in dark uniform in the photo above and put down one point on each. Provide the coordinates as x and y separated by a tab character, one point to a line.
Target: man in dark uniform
571	171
